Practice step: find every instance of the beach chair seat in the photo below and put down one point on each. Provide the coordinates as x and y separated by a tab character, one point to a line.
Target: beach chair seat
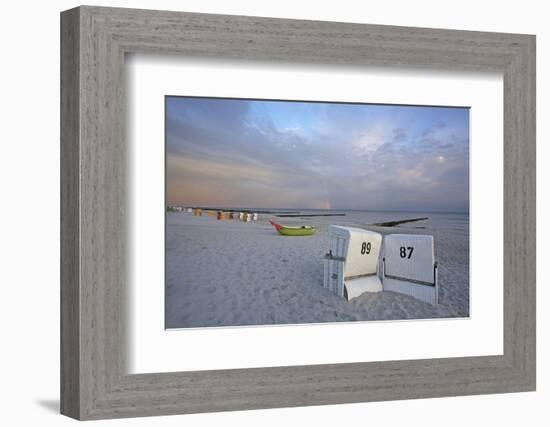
409	266
351	266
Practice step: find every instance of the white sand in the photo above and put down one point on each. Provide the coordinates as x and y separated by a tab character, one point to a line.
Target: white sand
228	273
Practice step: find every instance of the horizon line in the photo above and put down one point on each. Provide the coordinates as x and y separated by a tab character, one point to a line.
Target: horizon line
315	209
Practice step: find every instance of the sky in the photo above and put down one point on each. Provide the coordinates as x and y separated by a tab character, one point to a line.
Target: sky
309	155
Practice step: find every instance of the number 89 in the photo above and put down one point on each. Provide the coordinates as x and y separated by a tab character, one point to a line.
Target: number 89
365	248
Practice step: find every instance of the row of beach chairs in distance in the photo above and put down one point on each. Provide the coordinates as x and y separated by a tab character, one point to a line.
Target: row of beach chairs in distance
361	261
221	215
180	209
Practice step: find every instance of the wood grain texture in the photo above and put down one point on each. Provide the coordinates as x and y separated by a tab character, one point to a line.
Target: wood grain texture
70	292
94	382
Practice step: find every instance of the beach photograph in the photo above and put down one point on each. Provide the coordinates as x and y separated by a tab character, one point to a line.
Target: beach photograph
282	212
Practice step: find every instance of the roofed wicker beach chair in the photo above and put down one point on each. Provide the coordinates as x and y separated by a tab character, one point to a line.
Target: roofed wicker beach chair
352	264
409	266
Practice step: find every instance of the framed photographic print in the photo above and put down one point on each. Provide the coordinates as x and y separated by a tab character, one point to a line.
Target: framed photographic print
340	176
345	212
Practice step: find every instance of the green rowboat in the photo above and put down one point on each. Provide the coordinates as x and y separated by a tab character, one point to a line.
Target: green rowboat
304	230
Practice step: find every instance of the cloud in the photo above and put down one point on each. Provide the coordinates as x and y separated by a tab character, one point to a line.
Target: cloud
372	138
251	154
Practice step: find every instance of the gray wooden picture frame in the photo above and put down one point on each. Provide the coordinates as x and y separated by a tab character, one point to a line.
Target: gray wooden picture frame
94	41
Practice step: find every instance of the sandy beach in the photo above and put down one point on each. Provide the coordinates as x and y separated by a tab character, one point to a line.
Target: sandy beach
232	273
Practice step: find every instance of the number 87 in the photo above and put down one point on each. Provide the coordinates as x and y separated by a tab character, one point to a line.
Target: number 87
403	251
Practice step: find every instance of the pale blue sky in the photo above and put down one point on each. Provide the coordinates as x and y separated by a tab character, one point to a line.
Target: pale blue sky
279	154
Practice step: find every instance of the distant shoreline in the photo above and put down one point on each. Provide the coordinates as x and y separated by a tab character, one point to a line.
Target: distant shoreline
300	211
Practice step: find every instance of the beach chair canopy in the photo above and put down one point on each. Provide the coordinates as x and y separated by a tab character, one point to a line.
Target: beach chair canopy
360	248
410	257
353	261
410	267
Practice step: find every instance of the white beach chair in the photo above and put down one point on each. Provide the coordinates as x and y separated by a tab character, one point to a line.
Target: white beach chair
409	266
351	266
255	217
